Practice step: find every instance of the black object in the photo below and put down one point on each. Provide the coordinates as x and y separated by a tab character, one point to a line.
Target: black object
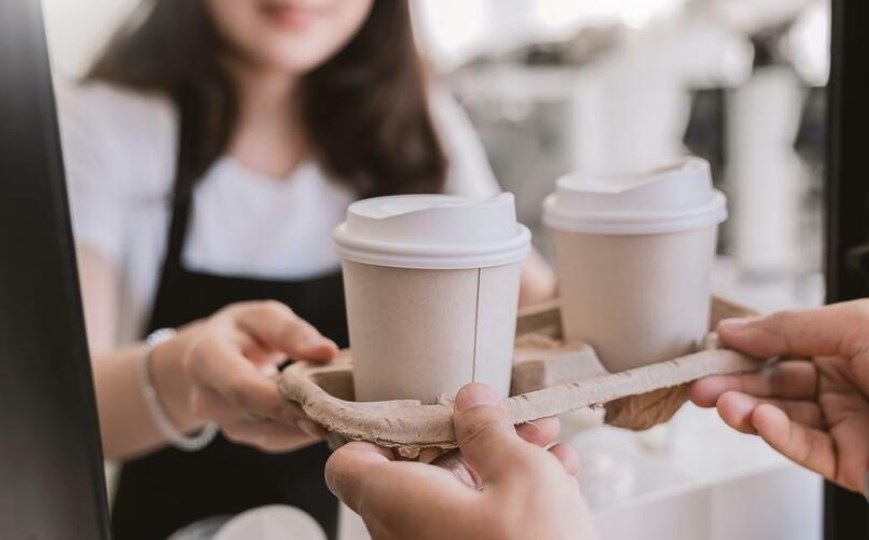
811	137
706	137
846	515
51	467
169	489
706	131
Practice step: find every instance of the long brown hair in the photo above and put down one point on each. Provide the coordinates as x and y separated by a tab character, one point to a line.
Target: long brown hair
364	111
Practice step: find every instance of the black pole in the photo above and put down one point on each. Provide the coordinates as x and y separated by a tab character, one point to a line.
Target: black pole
51	467
846	515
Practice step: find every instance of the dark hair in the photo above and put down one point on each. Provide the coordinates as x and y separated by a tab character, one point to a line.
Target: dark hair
364	111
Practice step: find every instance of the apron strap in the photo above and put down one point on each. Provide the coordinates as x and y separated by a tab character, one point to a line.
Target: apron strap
187	171
181	208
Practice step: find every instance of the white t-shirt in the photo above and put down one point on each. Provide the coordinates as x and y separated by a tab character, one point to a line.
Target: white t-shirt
120	151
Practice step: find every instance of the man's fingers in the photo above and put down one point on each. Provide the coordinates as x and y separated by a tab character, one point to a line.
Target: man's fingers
793	433
540	432
350	467
485	434
792	379
455	463
808	447
396	499
835	330
736	410
567	456
278	328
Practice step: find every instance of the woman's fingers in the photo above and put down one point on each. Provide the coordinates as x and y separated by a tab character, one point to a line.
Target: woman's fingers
267	435
257	352
231	357
239	383
278	328
292	431
808	447
791	379
227	367
736	409
209	404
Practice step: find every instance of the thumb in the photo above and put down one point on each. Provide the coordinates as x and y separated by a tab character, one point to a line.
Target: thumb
485	433
827	331
834	330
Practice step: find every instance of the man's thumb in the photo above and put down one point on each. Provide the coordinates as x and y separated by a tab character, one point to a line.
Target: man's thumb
485	433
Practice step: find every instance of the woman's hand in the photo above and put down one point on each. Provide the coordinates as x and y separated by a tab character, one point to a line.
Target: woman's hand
538	283
222	369
815	411
517	490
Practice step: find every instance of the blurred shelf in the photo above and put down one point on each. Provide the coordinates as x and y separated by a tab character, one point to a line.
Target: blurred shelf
513	82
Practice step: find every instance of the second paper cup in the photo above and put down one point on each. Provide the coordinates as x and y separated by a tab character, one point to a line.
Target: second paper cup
634	256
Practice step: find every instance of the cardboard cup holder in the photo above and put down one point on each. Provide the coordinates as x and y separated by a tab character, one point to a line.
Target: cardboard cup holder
550	377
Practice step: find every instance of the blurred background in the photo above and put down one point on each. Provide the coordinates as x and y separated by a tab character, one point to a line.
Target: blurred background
554	86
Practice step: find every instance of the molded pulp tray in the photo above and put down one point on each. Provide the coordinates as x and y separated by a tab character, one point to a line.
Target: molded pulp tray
549	378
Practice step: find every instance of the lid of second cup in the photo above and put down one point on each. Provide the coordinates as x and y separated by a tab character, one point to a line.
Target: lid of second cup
433	232
670	199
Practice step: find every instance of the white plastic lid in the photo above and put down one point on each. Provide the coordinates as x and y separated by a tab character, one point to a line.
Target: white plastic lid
669	199
433	232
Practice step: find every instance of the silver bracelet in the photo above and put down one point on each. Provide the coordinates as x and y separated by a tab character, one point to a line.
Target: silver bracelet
161	419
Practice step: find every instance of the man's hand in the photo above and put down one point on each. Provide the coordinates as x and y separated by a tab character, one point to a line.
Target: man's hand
523	491
815	411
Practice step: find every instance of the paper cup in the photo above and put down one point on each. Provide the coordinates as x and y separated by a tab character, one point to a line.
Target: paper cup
432	289
634	261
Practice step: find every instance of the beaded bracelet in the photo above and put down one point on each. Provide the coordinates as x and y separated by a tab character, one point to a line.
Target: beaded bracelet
161	419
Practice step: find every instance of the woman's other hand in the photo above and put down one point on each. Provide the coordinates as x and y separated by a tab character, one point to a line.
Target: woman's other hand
222	370
538	282
814	411
517	490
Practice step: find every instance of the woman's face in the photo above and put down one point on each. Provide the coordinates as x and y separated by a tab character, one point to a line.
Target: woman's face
292	35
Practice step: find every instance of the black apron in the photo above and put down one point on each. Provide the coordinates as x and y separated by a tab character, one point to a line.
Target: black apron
168	489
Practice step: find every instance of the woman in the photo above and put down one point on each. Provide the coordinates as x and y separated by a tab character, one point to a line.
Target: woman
210	152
